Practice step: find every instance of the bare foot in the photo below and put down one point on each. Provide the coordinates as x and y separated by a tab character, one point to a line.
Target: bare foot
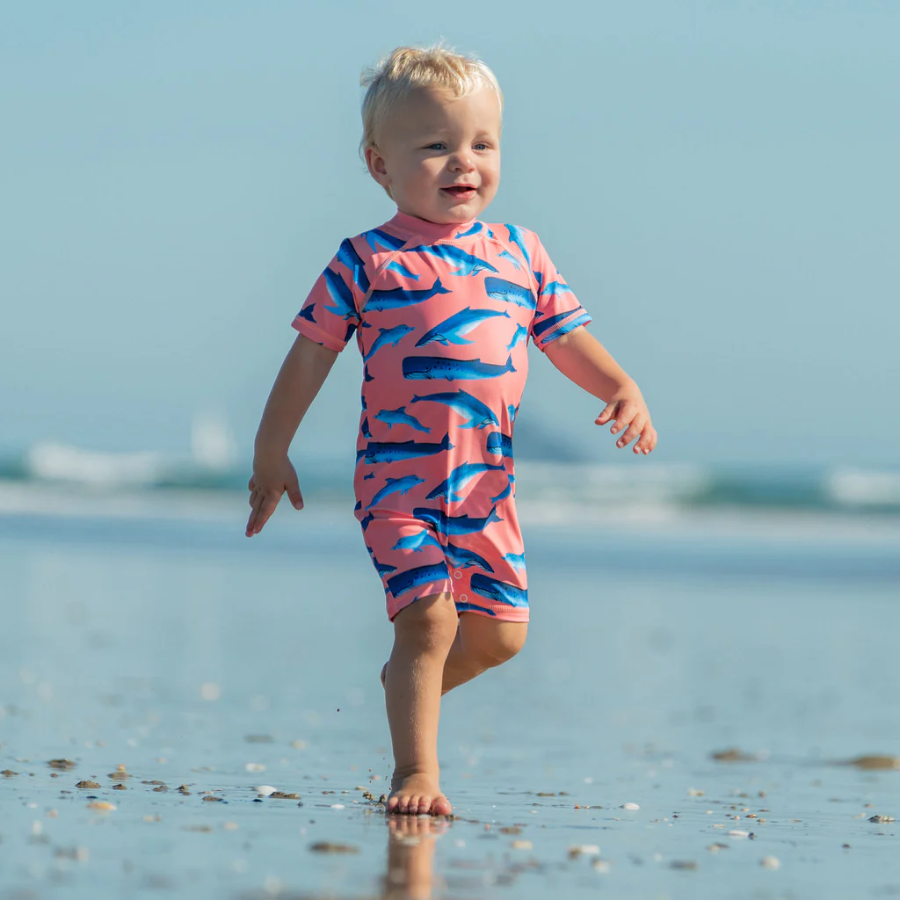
417	794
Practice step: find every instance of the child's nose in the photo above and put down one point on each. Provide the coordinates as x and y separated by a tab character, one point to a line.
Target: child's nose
461	162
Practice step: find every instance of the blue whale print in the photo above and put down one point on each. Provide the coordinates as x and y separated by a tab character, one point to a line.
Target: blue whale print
340	294
397	298
510	292
479	414
465	263
473	230
516	560
376	238
506	491
395	486
417	542
501	591
461	558
364	428
351	259
399	416
459	478
497	442
405	581
452	369
386	336
546	324
583	319
307	313
520	334
505	254
471	607
450	331
513	411
390	452
557	287
383	568
517	236
400	269
441	522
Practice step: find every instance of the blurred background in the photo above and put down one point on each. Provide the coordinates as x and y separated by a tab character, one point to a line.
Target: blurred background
717	181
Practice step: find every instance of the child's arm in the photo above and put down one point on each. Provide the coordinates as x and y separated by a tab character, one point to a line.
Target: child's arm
584	360
302	373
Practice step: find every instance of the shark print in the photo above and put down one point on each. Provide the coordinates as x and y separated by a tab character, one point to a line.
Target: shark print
451	330
434	480
399	416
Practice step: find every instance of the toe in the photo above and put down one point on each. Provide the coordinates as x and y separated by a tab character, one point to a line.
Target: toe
441	806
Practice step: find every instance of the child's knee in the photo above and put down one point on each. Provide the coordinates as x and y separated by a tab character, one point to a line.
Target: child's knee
429	623
492	643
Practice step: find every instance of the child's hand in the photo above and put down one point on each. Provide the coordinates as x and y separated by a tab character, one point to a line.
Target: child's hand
630	411
270	479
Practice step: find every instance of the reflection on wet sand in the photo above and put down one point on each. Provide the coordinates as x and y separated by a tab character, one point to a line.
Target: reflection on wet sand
411	840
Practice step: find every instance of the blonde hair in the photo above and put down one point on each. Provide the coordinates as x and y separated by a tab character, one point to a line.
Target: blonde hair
407	68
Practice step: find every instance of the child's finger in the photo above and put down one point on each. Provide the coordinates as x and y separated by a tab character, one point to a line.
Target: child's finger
647	441
251	486
634	430
607	414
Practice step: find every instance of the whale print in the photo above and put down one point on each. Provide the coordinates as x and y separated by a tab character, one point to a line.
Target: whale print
450	331
506	491
417	542
471	607
459	478
396	298
307	313
368	477
460	558
398	416
473	230
498	442
520	334
447	525
364	428
478	413
452	369
390	452
546	324
465	263
395	486
498	590
353	261
557	287
510	292
388	336
383	568
517	236
513	411
505	254
378	239
400	269
405	581
583	319
340	294
366	375
366	521
516	560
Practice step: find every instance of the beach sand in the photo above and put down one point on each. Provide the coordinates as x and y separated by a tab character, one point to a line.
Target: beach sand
682	722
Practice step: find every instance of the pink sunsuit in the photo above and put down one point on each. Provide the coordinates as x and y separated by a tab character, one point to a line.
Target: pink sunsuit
442	315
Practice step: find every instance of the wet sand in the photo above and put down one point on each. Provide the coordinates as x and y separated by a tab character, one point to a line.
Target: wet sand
681	723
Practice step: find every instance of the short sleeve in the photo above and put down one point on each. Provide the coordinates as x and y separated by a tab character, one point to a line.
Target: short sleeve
330	314
558	311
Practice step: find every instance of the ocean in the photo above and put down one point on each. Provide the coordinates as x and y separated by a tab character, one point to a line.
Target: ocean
707	704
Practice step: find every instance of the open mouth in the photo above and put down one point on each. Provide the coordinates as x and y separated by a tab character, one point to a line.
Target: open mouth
460	190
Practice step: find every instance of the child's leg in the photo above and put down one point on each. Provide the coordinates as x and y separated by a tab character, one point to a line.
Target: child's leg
481	643
423	634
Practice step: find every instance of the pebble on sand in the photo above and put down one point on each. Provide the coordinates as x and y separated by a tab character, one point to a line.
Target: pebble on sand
874	762
61	764
120	774
583	850
601	865
8	773
770	862
687	865
281	795
255	767
87	784
522	845
101	806
880	819
629	806
739	834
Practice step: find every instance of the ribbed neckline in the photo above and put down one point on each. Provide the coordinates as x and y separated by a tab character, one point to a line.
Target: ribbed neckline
432	231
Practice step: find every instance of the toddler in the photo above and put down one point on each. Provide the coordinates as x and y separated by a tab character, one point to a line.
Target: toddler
443	306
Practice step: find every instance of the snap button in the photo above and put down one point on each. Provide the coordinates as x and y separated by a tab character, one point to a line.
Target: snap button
463	597
457	574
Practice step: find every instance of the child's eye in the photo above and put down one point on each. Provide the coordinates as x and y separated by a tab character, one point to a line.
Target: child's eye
482	147
436	146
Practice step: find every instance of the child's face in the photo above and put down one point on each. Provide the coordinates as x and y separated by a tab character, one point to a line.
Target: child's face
439	155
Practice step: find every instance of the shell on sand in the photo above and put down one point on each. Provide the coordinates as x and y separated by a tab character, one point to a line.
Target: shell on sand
873	762
329	847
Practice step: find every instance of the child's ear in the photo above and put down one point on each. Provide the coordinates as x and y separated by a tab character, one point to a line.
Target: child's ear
377	167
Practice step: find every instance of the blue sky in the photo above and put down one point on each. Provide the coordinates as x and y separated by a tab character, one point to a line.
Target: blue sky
717	181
